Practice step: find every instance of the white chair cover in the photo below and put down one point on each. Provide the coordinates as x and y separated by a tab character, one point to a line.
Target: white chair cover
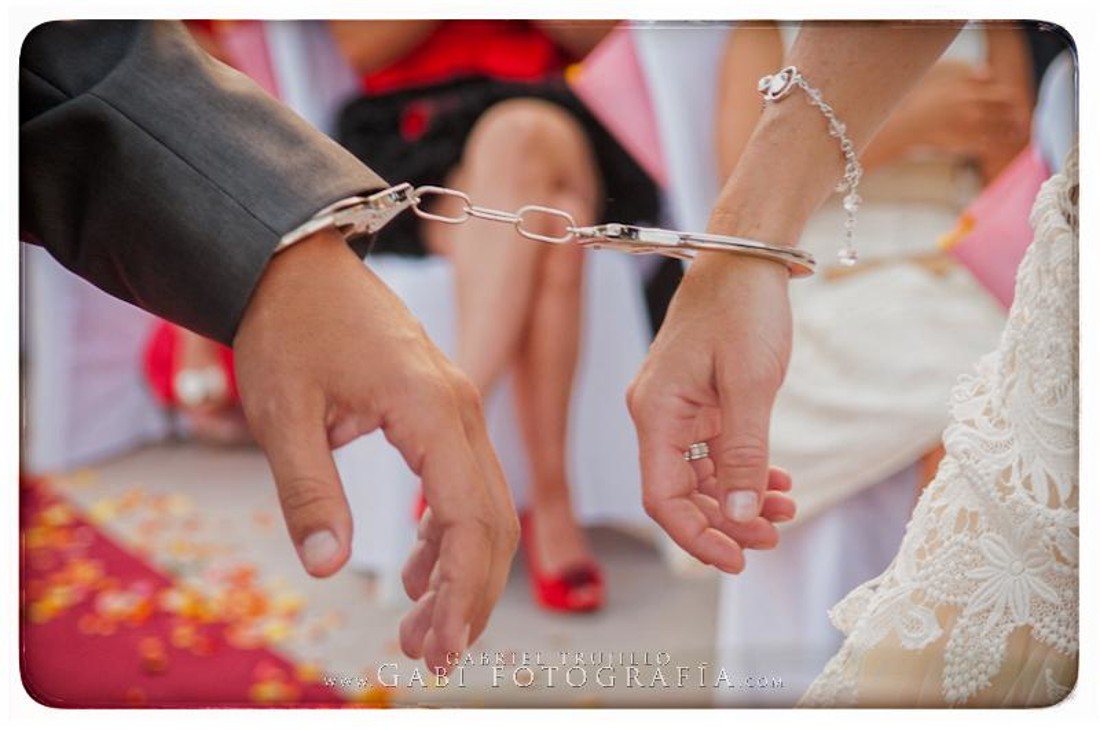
85	395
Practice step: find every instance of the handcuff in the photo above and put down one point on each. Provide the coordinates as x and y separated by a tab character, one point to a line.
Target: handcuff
359	216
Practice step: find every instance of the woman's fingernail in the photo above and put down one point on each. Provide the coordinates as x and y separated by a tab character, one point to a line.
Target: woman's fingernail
319	549
741	505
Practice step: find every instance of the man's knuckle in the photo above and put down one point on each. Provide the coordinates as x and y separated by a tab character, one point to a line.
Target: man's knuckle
427	395
432	386
276	411
305	494
466	393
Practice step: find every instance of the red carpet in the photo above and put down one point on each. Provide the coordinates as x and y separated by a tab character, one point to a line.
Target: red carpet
102	628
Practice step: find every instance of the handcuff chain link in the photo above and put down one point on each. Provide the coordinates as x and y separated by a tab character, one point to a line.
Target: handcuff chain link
358	215
520	219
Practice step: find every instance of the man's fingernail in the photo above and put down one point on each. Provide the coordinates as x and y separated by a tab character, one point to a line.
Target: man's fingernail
741	505
319	549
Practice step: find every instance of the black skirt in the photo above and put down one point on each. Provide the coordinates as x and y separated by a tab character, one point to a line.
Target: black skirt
418	135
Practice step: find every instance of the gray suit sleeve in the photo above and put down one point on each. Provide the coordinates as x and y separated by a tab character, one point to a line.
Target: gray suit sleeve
160	175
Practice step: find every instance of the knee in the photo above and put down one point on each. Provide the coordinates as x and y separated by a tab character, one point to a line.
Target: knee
525	134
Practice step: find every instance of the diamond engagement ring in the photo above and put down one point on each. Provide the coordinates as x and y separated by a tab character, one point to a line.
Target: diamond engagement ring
696	451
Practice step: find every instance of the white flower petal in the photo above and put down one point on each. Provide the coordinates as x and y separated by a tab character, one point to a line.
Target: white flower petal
1018	600
1036	560
985	572
989	593
996	550
1041	587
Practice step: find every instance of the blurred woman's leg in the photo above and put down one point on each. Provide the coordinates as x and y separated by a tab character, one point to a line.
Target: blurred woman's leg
519	302
520	152
544	373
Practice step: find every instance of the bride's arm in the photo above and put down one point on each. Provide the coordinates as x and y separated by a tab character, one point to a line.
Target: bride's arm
790	163
715	367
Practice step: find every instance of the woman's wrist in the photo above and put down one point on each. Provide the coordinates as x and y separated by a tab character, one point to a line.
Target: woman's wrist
723	268
790	166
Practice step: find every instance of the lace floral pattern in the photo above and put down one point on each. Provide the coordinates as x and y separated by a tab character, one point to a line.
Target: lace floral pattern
992	547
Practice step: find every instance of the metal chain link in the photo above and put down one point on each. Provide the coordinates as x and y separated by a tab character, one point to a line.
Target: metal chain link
519	219
357	216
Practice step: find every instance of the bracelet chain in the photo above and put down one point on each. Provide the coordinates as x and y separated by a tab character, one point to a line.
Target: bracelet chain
775	87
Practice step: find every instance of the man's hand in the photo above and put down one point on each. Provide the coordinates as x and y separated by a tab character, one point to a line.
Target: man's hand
326	353
712	375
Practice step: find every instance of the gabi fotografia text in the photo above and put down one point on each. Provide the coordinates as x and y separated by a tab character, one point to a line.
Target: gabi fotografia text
642	670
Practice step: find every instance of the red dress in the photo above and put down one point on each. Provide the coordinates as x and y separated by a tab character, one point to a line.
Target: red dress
508	50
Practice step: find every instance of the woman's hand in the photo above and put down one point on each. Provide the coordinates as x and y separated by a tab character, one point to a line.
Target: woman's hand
325	353
712	375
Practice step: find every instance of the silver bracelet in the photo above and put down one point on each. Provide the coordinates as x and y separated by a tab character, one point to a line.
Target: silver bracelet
358	216
776	87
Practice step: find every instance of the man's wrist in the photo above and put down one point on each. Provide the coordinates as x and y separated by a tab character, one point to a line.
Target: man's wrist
313	259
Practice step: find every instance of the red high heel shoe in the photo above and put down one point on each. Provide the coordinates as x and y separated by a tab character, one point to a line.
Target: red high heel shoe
578	589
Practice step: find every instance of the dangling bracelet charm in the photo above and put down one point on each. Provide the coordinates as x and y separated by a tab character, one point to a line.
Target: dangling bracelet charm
776	87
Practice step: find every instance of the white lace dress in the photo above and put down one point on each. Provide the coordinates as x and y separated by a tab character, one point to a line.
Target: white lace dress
980	606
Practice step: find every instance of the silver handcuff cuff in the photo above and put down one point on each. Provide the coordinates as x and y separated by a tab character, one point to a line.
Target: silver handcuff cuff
366	215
